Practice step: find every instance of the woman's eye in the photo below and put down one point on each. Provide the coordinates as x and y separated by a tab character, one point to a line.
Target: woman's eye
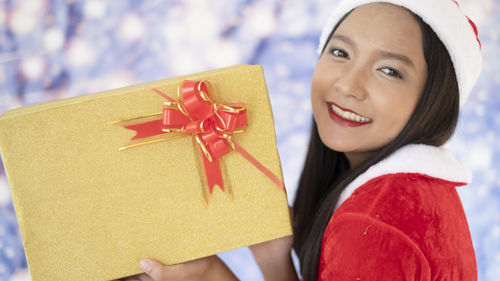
339	53
391	72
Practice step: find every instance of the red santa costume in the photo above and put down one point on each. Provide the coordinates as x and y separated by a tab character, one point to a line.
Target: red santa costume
402	219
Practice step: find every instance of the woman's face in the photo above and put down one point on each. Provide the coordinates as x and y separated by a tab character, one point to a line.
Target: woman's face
368	80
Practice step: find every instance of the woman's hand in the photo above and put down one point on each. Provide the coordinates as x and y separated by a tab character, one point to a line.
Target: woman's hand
155	271
209	268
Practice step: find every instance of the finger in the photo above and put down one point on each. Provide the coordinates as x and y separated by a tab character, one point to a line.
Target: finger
130	278
139	277
153	269
144	277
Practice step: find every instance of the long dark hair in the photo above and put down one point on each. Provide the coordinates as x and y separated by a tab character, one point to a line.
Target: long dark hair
326	172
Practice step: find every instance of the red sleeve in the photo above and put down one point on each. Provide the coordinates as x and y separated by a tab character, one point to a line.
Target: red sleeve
359	247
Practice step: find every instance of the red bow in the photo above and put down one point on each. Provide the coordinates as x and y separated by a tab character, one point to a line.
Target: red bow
211	125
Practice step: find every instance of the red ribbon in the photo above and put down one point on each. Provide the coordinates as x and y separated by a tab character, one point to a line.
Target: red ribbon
211	125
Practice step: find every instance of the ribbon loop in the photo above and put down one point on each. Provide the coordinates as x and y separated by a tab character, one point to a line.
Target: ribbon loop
218	148
198	104
234	118
173	118
197	127
215	143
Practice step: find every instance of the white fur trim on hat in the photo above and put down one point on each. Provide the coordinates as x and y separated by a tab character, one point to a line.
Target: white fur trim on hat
453	27
436	162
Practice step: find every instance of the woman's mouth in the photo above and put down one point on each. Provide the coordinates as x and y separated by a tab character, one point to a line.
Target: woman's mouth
347	117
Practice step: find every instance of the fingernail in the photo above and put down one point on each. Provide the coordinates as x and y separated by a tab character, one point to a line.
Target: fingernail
145	265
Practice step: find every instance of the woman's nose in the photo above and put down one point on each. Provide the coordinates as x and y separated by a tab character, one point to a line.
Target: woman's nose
351	83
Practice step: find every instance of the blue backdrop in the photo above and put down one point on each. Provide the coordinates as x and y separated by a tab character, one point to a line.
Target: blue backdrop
52	49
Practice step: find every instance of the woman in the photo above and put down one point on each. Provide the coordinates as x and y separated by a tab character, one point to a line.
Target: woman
377	199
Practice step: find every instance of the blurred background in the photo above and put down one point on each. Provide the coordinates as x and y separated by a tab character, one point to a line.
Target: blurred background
53	49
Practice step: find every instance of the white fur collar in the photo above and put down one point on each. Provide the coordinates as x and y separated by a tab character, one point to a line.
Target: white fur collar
433	161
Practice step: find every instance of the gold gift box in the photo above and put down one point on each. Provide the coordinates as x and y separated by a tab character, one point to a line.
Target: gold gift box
88	211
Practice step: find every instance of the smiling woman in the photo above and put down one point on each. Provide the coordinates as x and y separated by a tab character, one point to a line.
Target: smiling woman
373	68
377	192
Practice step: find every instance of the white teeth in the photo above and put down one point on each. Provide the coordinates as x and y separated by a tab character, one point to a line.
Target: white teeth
349	115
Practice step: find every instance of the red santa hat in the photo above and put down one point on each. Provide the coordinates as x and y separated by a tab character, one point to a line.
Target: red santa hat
457	32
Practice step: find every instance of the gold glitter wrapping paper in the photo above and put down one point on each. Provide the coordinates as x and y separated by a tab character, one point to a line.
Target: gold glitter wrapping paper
88	211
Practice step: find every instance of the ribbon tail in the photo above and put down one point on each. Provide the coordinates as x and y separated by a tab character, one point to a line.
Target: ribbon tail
162	94
146	129
213	174
259	166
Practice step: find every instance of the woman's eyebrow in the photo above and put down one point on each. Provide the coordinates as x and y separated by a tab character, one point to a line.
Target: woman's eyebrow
343	38
385	54
404	59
